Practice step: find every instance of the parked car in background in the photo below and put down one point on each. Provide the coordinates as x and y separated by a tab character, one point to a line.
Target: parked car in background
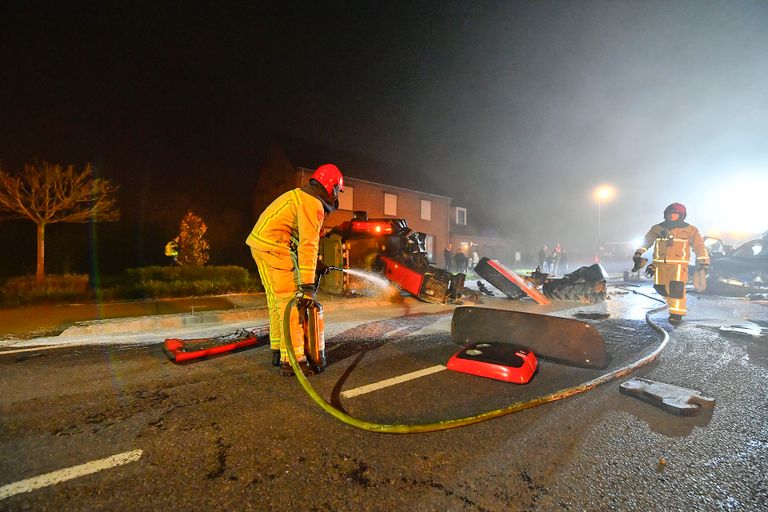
738	272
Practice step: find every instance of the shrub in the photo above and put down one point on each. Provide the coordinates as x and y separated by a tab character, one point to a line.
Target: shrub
181	281
136	283
20	291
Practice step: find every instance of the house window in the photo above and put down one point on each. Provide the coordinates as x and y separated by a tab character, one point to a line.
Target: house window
426	210
461	216
429	245
346	199
390	204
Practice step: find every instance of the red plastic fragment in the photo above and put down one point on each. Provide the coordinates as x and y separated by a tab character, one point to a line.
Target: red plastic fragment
180	350
498	361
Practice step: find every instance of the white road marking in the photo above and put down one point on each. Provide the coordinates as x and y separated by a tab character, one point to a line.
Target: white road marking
395	332
36	349
62	475
393	381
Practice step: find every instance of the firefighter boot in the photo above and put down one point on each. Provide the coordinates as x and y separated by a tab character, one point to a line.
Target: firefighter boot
286	370
675	319
275	357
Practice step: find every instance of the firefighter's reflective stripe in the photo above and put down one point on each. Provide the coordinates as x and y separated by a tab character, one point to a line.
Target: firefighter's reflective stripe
269	291
263	235
291	224
677	306
280	286
672	252
310	216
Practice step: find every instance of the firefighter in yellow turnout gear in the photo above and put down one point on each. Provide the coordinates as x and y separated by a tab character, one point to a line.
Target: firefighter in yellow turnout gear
673	241
284	243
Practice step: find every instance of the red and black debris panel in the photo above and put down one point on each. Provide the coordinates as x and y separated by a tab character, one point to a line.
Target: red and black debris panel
181	350
563	340
499	361
506	280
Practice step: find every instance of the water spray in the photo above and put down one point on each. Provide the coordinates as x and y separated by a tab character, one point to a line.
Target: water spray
373	278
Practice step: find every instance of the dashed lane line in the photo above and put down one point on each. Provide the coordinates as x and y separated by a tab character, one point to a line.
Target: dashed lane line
393	381
62	475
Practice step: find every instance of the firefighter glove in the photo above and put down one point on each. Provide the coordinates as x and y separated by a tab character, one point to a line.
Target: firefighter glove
639	262
321	269
650	271
703	266
306	293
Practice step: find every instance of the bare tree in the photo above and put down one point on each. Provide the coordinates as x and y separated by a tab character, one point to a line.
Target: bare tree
47	193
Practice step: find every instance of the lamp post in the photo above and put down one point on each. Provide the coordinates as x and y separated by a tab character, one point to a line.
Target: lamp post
602	193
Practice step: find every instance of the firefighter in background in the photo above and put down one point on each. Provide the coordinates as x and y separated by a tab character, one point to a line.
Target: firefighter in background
284	243
172	249
673	241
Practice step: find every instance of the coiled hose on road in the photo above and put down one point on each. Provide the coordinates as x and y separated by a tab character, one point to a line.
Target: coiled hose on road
461	422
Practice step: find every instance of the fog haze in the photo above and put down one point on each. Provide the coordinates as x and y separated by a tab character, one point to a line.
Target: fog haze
518	109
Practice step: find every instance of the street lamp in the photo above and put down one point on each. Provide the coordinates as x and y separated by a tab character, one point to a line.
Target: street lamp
601	194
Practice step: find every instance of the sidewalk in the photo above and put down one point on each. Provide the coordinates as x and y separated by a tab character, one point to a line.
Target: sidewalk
115	317
70	320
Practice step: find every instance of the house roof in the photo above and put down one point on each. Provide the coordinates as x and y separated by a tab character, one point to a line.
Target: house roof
307	154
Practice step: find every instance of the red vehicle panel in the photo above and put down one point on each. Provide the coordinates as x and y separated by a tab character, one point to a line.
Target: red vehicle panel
409	280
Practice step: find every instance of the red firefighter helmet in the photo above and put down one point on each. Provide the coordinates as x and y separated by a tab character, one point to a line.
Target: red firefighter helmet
329	176
676	208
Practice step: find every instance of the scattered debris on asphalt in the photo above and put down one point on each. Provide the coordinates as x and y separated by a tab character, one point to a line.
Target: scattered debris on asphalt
671	398
753	330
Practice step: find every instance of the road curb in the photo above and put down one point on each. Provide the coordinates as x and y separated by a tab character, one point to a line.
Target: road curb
181	320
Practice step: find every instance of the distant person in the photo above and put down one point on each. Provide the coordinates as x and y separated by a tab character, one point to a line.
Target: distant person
556	253
172	250
564	260
475	259
447	256
460	261
543	258
674	240
284	243
548	262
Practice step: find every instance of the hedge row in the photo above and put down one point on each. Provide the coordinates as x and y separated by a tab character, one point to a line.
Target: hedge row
66	288
137	283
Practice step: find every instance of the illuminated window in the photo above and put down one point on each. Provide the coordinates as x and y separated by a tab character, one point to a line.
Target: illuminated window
461	216
390	204
346	198
426	210
429	245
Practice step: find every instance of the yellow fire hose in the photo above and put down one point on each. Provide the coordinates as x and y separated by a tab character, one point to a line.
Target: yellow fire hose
461	422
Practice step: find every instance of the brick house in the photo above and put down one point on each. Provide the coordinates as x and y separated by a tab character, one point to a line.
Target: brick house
428	212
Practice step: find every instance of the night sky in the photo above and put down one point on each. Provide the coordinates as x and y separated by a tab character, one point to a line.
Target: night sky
520	109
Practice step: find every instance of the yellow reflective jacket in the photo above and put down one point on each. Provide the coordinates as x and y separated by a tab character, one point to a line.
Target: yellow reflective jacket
288	230
673	245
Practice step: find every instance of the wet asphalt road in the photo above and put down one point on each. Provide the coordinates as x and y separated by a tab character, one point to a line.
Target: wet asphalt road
230	434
